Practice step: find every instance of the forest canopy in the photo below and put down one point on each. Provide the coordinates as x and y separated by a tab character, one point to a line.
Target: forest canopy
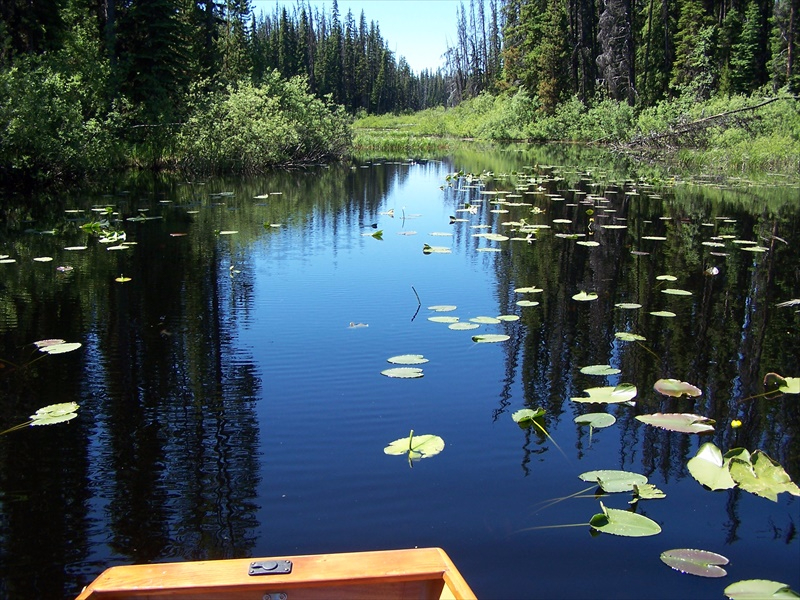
89	85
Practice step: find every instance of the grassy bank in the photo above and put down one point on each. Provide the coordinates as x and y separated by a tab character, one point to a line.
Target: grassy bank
727	134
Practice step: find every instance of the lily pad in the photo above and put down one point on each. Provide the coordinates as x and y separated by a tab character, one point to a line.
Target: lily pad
626	336
709	469
407	359
675	388
62	348
790	385
680	422
490	338
695	562
426	249
485	320
600	370
526	415
624	523
528	290
628	305
663	313
443	319
55	413
752	589
525	303
508	318
51	342
403	373
676	292
463	326
624	392
646	491
442	307
612	481
597	420
585	296
416	447
761	475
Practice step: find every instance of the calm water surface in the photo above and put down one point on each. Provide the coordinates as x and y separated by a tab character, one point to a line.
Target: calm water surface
229	409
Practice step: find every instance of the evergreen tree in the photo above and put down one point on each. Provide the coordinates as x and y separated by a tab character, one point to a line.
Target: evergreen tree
694	71
551	58
151	44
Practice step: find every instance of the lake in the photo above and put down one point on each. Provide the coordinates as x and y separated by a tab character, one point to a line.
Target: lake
231	387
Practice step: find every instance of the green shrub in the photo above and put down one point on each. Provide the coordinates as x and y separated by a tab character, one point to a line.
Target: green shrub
51	126
247	128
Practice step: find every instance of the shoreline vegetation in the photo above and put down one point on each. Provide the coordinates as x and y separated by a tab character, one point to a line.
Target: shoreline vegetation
726	134
210	88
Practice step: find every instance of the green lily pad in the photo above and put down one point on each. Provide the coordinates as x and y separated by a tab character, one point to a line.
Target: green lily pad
55	413
62	348
403	373
666	278
442	307
675	388
485	320
416	447
597	420
624	392
628	305
490	338
790	385
508	318
463	326
585	296
407	359
663	313
676	292
709	469
752	589
624	523
680	422
762	476
612	481
695	562
646	491
426	249
443	319
626	336
527	303
600	370
526	415
528	290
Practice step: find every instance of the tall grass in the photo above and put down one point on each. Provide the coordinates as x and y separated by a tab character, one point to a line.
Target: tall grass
764	139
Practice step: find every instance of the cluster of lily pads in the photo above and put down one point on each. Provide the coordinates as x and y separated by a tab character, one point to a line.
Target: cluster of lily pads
753	472
456	324
53	413
756	472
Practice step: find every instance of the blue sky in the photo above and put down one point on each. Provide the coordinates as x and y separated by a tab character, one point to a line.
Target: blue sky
419	30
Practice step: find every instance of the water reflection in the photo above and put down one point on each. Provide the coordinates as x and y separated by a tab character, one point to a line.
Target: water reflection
227	409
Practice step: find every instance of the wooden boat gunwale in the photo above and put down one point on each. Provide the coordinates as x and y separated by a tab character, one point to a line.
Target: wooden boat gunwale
429	570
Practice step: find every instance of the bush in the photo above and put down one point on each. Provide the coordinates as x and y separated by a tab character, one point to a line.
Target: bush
247	128
51	126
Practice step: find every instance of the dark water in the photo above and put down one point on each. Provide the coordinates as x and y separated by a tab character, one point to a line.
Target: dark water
228	408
